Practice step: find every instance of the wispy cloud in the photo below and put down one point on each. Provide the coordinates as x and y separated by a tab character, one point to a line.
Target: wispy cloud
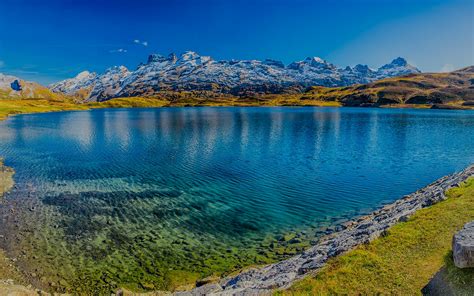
29	66
120	50
140	42
447	68
21	71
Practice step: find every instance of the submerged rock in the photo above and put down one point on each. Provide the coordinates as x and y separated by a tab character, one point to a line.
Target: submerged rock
463	246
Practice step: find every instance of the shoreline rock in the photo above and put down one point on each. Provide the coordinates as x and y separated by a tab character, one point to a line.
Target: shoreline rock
443	284
6	178
262	281
463	247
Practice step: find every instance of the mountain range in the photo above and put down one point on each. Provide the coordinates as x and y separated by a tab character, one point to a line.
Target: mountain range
192	72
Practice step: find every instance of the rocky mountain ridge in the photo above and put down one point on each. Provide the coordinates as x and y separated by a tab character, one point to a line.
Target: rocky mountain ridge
192	72
13	87
440	90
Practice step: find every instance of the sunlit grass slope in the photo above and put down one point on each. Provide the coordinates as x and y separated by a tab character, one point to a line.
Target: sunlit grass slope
18	106
403	261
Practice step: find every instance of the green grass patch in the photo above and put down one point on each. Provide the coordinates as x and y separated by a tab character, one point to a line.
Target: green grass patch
18	106
403	261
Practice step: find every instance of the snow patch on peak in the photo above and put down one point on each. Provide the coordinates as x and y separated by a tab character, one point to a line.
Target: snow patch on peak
69	86
116	69
316	60
397	67
84	75
189	55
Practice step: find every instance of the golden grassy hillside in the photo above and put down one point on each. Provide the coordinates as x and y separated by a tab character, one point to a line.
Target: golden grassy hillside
455	89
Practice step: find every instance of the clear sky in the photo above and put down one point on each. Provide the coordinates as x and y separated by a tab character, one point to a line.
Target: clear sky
49	40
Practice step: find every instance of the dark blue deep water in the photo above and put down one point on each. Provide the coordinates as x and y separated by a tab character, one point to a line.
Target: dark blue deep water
223	176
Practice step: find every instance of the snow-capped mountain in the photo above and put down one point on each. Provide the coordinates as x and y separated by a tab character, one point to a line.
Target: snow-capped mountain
190	71
83	80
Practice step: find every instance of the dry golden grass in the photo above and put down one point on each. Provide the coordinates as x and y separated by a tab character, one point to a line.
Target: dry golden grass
19	106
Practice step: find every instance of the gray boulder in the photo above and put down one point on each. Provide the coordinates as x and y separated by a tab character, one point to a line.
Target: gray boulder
463	246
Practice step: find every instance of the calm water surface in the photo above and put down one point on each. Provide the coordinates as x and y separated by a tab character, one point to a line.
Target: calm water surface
203	190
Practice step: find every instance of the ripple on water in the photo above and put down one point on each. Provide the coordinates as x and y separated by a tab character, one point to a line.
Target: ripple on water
156	198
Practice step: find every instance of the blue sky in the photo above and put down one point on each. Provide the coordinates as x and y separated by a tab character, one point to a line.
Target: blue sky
51	40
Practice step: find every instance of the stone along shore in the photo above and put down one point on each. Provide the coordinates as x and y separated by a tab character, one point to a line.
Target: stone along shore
282	274
6	178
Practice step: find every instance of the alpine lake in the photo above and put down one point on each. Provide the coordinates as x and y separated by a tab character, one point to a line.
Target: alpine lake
156	199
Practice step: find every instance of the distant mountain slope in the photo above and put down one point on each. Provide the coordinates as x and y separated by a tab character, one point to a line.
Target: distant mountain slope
454	89
192	72
12	87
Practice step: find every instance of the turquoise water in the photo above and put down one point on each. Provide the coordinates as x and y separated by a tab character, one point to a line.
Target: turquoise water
208	190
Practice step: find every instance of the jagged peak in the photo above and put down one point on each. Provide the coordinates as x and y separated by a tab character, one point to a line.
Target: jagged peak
362	68
193	56
172	57
315	60
158	58
85	75
274	63
155	58
399	62
188	55
116	69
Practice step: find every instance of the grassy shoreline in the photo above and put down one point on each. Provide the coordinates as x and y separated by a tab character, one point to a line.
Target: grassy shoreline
27	106
401	262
